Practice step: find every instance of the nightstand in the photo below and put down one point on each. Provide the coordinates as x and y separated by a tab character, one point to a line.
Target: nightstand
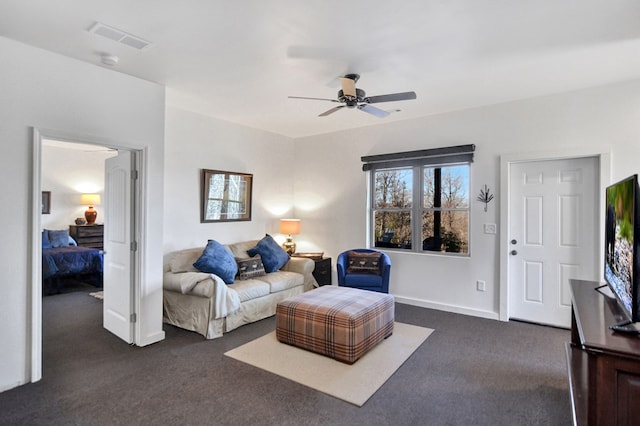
88	235
322	272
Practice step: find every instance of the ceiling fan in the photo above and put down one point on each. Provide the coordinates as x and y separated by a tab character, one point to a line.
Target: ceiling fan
351	97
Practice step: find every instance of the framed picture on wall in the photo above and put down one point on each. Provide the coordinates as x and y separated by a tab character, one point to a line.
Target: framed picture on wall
225	196
46	202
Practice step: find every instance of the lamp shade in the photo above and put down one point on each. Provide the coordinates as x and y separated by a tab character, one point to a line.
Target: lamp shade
89	199
290	226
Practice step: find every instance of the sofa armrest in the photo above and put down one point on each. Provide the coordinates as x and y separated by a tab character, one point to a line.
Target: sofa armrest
305	267
300	265
194	283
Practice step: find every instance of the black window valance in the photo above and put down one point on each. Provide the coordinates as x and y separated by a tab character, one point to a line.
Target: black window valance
445	155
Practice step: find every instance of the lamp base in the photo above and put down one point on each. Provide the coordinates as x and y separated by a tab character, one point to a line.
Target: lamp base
91	215
289	246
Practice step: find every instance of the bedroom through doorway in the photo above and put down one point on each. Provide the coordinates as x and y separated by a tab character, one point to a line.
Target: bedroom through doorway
72	175
67	167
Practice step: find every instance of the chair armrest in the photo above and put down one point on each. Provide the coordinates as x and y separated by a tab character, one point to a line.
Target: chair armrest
341	267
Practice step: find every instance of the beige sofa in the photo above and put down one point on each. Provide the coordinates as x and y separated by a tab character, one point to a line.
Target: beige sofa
203	303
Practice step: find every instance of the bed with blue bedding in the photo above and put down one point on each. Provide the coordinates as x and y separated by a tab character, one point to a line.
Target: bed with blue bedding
62	258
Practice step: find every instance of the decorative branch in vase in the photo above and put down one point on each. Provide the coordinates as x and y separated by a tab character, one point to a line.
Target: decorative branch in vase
485	197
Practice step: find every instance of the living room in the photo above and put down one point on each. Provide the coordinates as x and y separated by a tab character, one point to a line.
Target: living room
316	178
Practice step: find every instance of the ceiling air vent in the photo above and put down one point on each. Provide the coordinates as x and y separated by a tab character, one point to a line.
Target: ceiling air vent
119	36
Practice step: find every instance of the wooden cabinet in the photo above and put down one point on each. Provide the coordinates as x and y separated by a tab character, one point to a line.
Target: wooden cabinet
603	366
322	272
88	235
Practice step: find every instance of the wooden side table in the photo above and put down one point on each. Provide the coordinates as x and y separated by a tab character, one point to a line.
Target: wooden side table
88	235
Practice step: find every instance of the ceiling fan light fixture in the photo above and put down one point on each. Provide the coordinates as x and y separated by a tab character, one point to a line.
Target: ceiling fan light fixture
351	97
109	60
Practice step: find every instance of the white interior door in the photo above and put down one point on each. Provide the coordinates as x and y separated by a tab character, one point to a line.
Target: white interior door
553	236
118	259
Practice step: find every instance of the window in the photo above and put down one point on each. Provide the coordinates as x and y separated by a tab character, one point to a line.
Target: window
445	211
421	206
393	205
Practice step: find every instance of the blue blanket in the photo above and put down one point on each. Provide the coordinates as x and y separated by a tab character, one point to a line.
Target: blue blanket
71	260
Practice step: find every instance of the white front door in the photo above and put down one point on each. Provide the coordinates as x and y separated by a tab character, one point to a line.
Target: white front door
118	259
553	236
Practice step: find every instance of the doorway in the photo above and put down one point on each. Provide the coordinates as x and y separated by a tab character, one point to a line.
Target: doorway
551	233
133	222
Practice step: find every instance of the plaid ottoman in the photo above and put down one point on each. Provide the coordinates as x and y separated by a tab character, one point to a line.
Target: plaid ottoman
339	322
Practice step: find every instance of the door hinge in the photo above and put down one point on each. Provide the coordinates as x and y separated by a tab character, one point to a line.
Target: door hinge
134	246
133	318
134	174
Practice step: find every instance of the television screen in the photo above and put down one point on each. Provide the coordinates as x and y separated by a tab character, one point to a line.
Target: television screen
620	243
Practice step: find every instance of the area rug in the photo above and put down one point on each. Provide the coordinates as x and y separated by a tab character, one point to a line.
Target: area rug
354	383
97	295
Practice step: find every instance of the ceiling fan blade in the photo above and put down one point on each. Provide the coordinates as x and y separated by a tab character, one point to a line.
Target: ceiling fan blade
373	110
313	99
331	111
348	86
404	96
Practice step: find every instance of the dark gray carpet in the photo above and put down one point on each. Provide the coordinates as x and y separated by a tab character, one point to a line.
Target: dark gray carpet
470	371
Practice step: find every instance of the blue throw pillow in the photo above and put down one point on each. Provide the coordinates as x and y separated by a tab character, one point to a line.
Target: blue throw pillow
45	240
59	238
217	259
273	256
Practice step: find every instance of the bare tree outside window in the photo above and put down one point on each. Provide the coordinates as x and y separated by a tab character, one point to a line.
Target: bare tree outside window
393	200
444	208
445	224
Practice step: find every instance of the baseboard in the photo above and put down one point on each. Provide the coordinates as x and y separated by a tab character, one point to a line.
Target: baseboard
447	308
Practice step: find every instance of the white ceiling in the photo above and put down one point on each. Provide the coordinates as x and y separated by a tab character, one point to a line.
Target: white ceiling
238	60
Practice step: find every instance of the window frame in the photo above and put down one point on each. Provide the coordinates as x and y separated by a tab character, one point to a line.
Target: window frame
447	209
417	207
373	209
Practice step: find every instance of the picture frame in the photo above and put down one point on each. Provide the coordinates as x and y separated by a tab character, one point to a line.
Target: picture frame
46	202
225	196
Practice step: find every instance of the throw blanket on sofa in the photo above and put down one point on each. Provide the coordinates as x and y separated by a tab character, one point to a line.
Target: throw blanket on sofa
226	300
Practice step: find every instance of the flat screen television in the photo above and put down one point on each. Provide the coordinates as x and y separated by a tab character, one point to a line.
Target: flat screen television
622	237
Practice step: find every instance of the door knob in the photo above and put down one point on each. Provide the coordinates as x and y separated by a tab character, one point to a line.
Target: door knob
514	242
513	252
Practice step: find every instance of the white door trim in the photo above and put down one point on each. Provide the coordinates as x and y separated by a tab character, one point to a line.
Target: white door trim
604	174
34	310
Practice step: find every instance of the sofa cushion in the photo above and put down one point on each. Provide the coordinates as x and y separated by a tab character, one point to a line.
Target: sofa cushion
250	267
183	260
282	280
251	289
217	259
363	280
363	263
240	249
273	256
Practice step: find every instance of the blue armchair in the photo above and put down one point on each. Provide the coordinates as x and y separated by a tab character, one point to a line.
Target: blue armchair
367	272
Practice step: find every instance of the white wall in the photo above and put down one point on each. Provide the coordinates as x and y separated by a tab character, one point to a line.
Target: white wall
68	170
195	142
48	91
330	187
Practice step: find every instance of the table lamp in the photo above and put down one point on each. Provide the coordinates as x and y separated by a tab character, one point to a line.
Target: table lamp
289	227
89	200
